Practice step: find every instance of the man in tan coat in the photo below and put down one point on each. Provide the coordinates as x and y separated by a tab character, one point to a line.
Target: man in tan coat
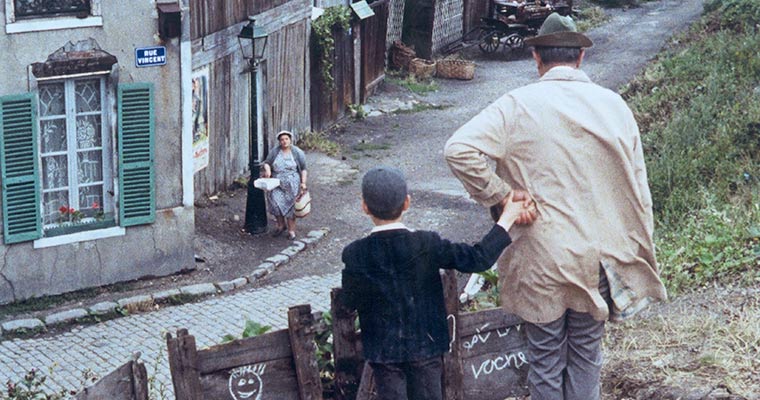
574	147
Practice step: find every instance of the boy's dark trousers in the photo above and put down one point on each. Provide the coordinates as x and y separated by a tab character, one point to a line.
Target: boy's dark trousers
412	380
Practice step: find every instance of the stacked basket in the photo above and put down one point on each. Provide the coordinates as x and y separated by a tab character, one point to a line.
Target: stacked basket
421	68
455	69
401	55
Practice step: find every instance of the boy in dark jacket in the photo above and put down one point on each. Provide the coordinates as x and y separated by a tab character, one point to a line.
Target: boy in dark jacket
392	279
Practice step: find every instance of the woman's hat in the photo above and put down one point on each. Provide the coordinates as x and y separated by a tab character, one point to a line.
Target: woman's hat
289	133
559	31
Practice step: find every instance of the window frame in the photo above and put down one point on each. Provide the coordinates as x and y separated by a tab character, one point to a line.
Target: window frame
48	23
106	146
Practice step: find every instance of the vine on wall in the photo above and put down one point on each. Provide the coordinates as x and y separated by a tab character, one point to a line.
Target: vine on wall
338	16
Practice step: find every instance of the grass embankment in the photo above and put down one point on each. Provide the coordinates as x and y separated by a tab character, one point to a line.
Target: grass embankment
698	108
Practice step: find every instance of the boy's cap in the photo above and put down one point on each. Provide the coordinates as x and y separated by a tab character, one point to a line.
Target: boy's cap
384	189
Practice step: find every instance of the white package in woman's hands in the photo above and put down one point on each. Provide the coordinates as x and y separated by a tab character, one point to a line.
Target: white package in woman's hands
266	183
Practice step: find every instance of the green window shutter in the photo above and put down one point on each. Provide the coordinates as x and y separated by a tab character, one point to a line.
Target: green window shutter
137	194
18	166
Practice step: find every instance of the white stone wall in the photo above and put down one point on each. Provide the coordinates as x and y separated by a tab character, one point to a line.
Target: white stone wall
163	247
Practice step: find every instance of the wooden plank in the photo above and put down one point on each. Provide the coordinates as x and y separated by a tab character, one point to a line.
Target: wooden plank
139	380
493	353
373	33
271	346
300	327
349	362
495	317
271	380
116	385
367	388
452	365
183	361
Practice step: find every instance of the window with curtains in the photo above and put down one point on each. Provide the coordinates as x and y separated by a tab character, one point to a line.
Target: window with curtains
74	151
63	170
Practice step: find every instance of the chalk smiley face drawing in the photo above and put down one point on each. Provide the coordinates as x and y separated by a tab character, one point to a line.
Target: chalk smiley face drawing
245	382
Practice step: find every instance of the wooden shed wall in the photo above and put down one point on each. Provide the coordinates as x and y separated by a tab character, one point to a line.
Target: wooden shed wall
209	16
288	80
285	72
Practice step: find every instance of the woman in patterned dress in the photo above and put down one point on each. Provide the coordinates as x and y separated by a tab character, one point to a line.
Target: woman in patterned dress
287	163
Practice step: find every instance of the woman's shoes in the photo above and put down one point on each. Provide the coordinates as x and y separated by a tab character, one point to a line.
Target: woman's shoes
291	235
277	232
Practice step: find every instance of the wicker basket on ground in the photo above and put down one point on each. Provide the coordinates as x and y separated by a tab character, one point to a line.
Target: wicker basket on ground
421	68
401	55
455	69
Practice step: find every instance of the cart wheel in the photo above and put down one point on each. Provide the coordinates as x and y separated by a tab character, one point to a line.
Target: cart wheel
515	41
489	43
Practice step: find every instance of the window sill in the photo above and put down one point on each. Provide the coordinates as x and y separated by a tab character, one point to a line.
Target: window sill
79	237
51	24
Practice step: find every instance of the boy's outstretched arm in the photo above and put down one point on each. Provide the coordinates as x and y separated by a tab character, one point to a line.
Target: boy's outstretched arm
481	256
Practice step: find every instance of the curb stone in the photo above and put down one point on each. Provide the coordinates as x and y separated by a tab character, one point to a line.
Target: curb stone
65	316
165	294
278	260
292	250
20	324
134	300
102	308
201	290
225	286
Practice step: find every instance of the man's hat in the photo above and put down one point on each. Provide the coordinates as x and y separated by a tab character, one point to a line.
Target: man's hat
559	31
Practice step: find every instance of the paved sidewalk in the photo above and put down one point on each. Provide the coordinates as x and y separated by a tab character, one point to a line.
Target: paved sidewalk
105	346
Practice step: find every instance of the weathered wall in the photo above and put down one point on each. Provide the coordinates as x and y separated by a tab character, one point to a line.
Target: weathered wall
284	75
161	248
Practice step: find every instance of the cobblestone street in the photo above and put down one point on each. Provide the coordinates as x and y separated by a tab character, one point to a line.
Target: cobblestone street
103	347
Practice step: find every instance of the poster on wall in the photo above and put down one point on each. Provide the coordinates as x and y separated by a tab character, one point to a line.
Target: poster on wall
200	119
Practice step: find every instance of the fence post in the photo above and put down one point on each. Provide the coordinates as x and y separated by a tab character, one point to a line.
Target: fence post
301	331
183	362
139	379
346	351
453	375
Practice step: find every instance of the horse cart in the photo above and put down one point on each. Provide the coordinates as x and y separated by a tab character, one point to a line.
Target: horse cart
508	23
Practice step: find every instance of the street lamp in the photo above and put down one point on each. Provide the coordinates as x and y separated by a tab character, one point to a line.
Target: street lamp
253	41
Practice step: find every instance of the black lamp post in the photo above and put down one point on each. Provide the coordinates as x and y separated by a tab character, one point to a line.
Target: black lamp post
253	41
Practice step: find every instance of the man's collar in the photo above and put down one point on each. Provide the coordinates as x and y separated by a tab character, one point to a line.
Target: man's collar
389	227
565	73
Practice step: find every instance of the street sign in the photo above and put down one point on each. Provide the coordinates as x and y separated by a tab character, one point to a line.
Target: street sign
150	56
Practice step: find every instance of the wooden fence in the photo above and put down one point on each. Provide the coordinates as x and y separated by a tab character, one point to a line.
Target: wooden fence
280	365
373	32
487	359
128	382
328	105
473	11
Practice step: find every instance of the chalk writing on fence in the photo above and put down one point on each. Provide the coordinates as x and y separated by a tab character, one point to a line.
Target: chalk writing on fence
452	330
246	383
480	337
515	360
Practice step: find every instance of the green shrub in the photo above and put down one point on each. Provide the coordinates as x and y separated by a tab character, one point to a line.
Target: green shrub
737	15
698	108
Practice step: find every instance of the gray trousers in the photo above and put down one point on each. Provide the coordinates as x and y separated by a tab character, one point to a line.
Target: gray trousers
566	355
